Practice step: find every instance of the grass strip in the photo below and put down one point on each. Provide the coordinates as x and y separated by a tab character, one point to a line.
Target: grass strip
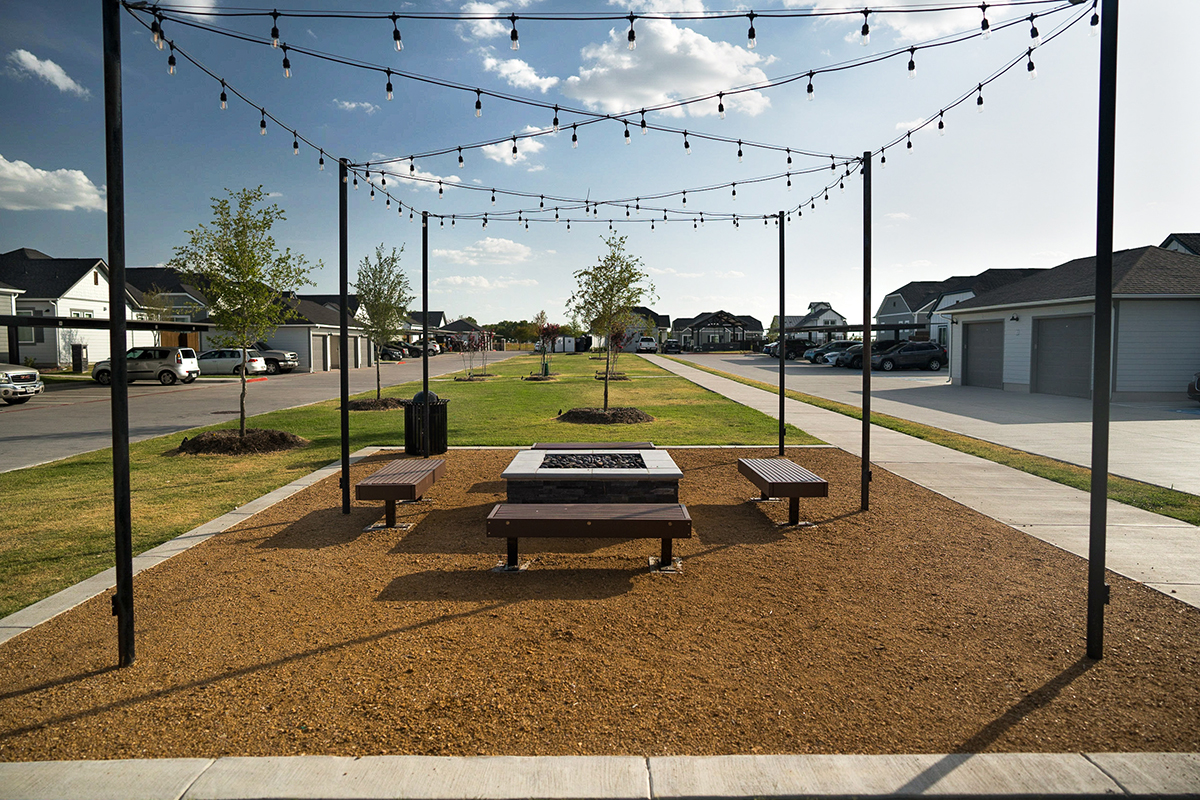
1146	496
59	521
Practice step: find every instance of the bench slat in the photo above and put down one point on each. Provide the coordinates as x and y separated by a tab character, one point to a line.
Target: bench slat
781	478
590	520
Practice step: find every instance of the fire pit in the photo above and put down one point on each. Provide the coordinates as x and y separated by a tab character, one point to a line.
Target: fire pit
592	476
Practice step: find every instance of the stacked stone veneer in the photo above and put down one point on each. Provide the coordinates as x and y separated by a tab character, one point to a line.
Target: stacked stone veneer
529	482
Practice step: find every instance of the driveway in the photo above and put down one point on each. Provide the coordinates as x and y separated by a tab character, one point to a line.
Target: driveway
1152	442
74	417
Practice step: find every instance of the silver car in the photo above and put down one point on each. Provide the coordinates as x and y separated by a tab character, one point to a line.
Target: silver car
229	362
163	364
18	384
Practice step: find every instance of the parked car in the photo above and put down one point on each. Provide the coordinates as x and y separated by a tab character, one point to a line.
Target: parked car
18	384
394	351
1193	387
771	349
926	355
229	362
277	360
672	346
847	356
416	348
164	364
817	355
646	344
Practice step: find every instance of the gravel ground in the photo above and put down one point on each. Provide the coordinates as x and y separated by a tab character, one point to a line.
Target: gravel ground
919	626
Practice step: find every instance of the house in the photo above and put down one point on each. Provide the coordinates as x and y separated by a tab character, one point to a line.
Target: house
462	331
717	330
1035	334
960	289
1183	243
313	333
183	301
657	325
65	287
8	308
333	301
819	313
903	306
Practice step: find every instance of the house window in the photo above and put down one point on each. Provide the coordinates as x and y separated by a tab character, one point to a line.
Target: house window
95	277
25	335
82	314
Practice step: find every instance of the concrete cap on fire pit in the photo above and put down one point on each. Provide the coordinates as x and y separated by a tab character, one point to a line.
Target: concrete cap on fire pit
527	466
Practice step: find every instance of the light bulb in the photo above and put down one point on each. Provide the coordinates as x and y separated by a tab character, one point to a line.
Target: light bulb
515	154
574	138
789	181
985	26
1095	23
389	85
751	36
644	131
460	158
739	151
632	36
224	97
685	197
321	162
811	94
627	139
979	101
396	34
555	123
1030	68
287	64
516	44
866	29
909	145
721	105
372	193
478	103
687	146
295	145
262	125
171	61
493	197
356	183
789	156
912	63
941	125
412	166
274	29
1033	31
156	32
734	192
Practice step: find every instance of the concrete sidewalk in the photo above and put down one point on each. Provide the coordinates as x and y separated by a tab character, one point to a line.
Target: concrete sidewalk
1161	552
991	775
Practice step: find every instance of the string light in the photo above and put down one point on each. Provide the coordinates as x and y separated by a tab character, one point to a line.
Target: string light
632	38
687	146
811	93
1094	22
262	125
789	181
751	38
569	221
1033	31
685	197
516	44
478	103
1029	67
574	137
356	183
171	60
734	191
460	162
287	64
321	162
912	63
493	197
295	144
440	192
388	204
485	221
389	84
514	149
627	139
274	29
541	201
789	156
979	100
396	32
882	160
941	124
739	151
909	145
156	31
372	193
866	28
224	97
555	123
985	26
644	131
721	105
412	166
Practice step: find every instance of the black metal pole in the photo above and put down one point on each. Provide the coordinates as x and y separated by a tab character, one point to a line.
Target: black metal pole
344	328
782	339
865	486
1102	330
425	322
114	145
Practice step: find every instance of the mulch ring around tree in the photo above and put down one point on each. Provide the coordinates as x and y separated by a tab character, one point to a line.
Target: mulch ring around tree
382	404
229	443
471	379
542	378
612	376
598	416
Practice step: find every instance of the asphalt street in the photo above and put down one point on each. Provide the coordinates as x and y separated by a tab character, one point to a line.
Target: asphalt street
1155	442
73	417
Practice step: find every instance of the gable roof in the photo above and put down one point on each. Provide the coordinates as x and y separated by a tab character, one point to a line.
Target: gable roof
166	279
986	281
1189	241
717	319
462	326
815	311
660	320
917	293
436	318
333	301
42	276
308	313
1140	271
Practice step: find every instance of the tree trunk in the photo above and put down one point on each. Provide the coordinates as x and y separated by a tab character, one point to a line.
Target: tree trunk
242	408
607	359
378	380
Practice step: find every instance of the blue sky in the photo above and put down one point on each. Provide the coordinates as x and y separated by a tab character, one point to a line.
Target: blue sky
1012	187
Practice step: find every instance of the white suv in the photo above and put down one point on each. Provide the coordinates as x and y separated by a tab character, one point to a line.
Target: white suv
164	364
18	384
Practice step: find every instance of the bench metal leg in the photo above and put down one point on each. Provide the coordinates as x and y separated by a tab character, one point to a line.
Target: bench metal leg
765	496
389	513
666	561
793	511
512	553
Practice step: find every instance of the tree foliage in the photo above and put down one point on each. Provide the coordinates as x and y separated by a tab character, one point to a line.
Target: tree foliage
383	297
606	294
244	275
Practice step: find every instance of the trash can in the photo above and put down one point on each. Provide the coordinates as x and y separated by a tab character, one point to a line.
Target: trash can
79	358
414	424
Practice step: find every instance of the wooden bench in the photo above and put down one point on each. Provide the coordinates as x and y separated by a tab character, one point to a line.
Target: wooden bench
664	521
593	446
402	479
778	477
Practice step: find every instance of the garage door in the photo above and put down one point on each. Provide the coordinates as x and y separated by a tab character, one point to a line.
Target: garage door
1062	362
983	354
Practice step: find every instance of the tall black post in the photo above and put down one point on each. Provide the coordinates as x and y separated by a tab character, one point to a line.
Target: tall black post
1102	330
782	332
114	145
865	486
344	328
425	443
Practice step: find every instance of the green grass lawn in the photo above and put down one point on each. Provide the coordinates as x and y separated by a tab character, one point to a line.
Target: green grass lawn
59	521
1146	496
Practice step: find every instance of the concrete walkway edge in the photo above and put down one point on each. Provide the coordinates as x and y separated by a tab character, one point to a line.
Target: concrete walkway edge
989	775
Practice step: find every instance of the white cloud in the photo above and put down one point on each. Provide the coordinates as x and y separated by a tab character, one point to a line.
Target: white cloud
518	73
460	283
905	27
27	188
912	125
670	62
345	105
310	32
674	273
502	152
482	28
26	63
492	251
898	215
733	273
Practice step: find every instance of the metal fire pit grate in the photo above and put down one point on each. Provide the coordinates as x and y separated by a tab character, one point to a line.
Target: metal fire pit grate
593	461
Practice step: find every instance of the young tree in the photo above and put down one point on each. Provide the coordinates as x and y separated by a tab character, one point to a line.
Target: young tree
235	259
605	295
383	298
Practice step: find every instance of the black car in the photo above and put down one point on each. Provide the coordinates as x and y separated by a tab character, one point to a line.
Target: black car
672	346
1194	387
926	355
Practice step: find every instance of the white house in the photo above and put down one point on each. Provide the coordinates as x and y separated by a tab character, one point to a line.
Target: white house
65	287
1035	335
819	314
314	335
717	330
8	308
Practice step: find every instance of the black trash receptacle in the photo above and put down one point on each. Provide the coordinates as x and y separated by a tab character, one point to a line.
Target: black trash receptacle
414	424
79	357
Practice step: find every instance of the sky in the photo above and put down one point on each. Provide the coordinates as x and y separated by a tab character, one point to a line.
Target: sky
1011	187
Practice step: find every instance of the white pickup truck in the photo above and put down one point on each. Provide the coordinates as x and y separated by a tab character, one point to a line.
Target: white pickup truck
18	384
277	360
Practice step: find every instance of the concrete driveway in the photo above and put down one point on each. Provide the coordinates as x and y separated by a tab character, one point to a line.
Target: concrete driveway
1157	443
74	417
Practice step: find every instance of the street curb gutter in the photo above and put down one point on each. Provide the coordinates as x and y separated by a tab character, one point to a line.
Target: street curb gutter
989	775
